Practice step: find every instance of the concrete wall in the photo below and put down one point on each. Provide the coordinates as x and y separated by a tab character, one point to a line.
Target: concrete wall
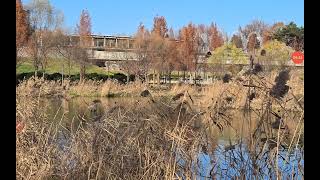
107	55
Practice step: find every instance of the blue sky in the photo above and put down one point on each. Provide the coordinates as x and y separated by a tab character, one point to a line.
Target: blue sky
122	17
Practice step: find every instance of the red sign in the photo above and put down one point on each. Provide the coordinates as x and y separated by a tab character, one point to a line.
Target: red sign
297	57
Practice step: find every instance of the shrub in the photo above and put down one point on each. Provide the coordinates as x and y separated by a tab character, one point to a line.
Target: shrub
57	76
120	77
226	78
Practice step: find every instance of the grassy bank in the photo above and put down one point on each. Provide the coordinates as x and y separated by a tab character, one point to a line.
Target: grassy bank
56	66
235	90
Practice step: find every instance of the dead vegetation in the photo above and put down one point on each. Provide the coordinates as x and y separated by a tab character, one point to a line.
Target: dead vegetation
156	137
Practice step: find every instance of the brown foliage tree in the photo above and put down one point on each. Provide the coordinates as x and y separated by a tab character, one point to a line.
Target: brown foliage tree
216	39
189	48
84	32
160	26
188	45
21	28
172	62
84	29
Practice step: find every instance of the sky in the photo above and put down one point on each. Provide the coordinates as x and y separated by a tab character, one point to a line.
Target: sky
122	17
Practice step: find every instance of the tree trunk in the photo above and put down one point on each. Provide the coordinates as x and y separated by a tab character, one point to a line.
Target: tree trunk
146	78
108	73
16	56
195	71
178	75
184	75
43	67
69	70
195	77
158	78
36	68
82	72
204	75
128	78
165	78
62	73
154	77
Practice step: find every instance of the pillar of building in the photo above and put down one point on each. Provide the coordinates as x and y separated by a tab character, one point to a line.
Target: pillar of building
128	43
116	43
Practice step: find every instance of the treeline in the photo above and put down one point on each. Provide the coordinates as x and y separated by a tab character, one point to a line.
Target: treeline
160	51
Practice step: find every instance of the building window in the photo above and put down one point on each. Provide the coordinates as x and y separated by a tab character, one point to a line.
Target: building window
131	43
111	43
98	42
122	43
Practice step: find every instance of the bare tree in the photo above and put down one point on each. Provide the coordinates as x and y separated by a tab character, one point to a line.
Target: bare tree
171	34
64	49
269	32
257	27
237	41
143	55
159	45
158	50
44	20
130	65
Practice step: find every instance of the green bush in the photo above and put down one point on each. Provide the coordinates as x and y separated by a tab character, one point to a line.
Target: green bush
228	54
120	77
57	76
276	53
97	77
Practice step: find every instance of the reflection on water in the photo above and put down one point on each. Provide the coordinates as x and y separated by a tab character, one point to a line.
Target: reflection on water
238	160
77	110
230	156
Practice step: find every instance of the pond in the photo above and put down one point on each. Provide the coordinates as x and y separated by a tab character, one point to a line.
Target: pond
230	158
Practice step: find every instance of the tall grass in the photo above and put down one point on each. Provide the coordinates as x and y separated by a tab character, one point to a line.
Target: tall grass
141	142
160	136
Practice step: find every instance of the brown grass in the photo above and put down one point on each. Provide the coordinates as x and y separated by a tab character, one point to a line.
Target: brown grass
141	142
150	137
